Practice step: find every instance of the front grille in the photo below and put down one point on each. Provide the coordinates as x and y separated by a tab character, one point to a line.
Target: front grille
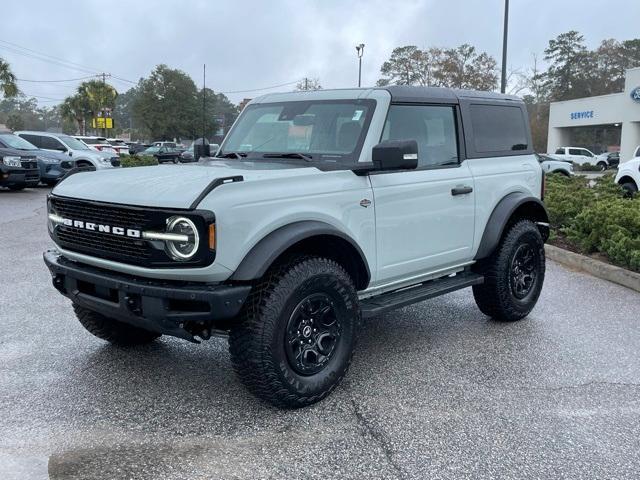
103	243
114	215
32	175
106	245
29	163
122	248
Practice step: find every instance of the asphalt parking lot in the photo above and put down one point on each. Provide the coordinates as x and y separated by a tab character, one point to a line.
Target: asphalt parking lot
436	390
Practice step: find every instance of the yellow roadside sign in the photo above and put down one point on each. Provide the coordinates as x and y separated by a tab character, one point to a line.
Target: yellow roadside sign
102	122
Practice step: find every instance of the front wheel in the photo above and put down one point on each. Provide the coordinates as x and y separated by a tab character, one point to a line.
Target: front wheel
513	274
298	332
602	166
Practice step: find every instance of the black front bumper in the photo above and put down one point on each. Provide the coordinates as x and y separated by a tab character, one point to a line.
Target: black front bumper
19	176
180	309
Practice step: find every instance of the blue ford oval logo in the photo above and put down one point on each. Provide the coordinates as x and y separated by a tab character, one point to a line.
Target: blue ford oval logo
635	94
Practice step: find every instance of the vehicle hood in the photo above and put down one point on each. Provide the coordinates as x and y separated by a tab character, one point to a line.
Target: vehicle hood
12	152
49	154
169	186
93	154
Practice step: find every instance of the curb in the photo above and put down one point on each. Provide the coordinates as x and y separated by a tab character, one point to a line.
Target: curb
599	269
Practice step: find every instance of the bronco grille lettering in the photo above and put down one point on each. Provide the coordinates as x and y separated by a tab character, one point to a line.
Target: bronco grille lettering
101	228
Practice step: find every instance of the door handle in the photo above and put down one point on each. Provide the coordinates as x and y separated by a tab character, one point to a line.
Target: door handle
461	190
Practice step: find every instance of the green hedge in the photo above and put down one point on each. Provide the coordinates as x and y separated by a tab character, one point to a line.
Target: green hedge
137	161
594	216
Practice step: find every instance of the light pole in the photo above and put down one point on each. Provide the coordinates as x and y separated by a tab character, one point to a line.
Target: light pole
503	81
360	51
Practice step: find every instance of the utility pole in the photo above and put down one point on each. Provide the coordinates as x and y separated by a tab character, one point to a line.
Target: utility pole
306	83
102	101
503	80
360	52
204	100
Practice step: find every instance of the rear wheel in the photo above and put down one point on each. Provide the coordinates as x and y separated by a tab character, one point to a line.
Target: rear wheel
298	332
514	274
113	331
630	189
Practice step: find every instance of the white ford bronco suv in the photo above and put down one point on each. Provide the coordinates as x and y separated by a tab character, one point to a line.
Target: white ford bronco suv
320	209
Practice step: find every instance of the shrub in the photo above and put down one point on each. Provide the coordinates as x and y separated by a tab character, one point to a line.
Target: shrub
586	167
594	216
137	161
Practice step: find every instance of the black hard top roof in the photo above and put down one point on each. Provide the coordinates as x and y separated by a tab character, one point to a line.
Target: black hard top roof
411	94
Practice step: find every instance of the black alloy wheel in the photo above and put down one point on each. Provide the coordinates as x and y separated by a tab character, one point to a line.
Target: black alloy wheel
312	335
523	271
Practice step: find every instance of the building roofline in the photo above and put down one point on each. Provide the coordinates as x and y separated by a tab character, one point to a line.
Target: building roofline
588	98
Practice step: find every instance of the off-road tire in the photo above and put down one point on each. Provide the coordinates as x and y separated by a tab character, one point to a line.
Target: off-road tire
257	344
495	297
113	331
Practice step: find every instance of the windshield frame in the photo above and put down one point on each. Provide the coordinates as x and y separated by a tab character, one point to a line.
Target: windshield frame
346	160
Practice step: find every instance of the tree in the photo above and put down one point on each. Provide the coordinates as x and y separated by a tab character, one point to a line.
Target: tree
166	104
90	99
8	85
309	84
74	109
15	121
123	113
403	67
572	67
97	95
219	115
460	67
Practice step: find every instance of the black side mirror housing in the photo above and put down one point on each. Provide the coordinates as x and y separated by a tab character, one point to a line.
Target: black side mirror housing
395	155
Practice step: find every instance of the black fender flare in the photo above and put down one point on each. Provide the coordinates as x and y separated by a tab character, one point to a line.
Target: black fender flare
500	217
262	255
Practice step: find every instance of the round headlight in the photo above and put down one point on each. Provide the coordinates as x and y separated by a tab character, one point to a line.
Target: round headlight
187	246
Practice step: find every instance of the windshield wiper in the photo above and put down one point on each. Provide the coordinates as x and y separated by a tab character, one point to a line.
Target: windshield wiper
301	156
231	155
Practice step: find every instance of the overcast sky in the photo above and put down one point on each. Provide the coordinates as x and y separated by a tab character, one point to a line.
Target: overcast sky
255	44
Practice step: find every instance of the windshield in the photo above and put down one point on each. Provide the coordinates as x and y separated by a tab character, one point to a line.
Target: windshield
17	142
320	129
72	143
152	150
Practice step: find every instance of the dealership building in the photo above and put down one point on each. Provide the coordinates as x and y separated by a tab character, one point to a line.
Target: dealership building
607	121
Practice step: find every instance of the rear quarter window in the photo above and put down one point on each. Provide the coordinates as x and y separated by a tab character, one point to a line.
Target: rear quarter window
35	139
498	128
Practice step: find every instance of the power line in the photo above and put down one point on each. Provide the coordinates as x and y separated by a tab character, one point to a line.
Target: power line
56	81
28	52
46	98
263	88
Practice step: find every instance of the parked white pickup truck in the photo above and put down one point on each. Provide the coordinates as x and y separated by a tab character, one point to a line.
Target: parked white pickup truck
579	155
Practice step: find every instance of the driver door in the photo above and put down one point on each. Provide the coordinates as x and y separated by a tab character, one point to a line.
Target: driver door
424	217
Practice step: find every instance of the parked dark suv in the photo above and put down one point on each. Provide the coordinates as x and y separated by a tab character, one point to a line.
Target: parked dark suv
52	165
18	170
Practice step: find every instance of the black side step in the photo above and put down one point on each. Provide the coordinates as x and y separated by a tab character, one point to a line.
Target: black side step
406	296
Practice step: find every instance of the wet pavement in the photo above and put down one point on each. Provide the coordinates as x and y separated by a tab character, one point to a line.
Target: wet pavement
436	390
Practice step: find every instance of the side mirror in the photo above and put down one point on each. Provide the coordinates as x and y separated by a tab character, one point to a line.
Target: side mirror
395	155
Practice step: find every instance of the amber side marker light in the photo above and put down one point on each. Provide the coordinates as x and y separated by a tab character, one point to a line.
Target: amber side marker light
212	236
